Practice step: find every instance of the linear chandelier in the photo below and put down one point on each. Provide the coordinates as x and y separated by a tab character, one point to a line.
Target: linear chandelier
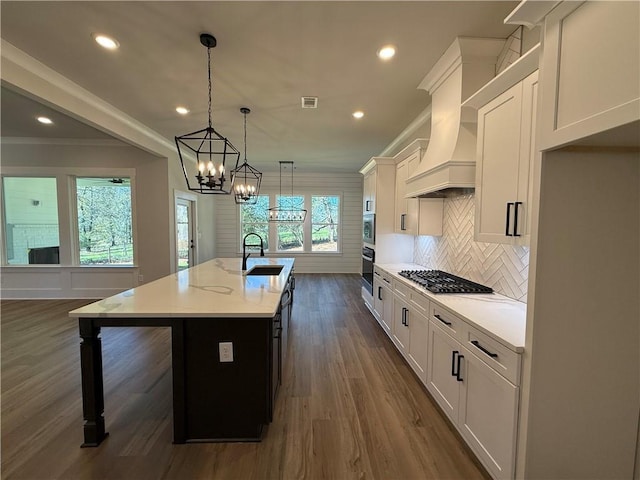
211	149
245	180
286	211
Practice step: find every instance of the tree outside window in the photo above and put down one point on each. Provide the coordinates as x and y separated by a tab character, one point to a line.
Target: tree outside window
324	223
105	229
290	234
255	219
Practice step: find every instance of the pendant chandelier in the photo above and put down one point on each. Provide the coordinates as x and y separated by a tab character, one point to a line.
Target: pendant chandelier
245	180
211	150
288	212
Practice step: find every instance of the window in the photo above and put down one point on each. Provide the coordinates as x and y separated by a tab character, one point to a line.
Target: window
105	230
319	233
324	223
255	218
290	234
31	220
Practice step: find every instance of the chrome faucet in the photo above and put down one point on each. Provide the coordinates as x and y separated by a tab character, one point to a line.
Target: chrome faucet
245	245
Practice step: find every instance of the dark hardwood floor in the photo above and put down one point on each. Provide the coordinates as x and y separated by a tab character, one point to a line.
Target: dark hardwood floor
349	406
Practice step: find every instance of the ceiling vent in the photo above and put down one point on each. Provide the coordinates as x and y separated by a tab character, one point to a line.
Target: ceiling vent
309	102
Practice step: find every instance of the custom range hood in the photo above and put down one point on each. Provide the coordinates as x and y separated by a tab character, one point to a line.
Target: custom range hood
448	164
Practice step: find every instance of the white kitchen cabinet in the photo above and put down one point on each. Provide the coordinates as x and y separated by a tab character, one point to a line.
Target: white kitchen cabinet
383	299
505	156
440	381
591	80
414	216
418	323
369	192
479	400
410	328
487	418
379	174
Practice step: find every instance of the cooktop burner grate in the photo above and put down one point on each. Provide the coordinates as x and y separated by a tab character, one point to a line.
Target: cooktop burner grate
437	281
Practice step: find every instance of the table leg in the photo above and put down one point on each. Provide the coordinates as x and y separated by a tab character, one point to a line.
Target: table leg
92	388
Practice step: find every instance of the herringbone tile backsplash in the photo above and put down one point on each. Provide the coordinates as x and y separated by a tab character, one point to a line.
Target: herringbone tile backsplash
504	268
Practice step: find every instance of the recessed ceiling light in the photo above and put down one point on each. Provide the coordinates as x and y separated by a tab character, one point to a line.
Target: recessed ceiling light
358	114
386	52
106	42
45	120
182	110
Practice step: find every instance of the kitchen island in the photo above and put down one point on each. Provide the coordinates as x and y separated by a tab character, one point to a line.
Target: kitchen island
227	335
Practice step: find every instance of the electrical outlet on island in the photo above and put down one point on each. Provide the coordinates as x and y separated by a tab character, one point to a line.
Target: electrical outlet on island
226	351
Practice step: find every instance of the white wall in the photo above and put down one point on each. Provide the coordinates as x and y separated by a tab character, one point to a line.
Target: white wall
228	242
581	375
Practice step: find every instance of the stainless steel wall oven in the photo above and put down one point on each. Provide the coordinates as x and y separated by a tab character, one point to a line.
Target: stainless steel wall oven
368	258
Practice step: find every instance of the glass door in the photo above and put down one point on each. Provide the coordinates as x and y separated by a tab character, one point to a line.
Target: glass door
185	237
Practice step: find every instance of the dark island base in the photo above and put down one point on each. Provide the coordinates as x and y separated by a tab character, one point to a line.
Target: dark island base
213	401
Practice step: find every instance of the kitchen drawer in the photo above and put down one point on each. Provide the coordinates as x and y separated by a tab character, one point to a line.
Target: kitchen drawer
501	359
382	275
401	290
420	302
449	322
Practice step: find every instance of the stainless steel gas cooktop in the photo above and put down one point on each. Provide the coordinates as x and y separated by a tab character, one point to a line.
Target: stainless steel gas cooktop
437	281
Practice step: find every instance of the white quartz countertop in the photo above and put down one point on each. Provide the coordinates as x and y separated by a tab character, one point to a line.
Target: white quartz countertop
500	317
216	288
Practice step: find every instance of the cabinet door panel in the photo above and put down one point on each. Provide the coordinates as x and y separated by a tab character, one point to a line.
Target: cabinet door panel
443	386
497	168
488	415
400	330
418	343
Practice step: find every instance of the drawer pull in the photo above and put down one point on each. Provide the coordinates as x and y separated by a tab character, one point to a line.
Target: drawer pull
376	273
476	344
379	293
386	280
448	324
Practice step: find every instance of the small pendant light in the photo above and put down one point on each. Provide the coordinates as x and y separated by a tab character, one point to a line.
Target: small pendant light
245	180
288	213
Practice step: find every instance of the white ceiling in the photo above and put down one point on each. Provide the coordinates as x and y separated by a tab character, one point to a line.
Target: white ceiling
269	54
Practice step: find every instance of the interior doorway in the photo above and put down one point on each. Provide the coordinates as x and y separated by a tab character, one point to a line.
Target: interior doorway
185	231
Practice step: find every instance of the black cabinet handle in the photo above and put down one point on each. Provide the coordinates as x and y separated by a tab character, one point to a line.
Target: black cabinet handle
515	219
402	227
458	377
379	293
376	273
386	280
476	344
367	205
448	324
404	316
453	363
506	231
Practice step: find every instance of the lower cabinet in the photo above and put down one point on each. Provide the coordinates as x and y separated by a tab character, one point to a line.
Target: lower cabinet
480	402
383	300
472	377
411	327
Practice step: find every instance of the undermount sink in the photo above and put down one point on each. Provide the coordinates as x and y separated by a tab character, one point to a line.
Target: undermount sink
265	270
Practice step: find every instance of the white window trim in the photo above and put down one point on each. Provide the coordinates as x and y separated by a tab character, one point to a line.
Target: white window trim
67	208
307	246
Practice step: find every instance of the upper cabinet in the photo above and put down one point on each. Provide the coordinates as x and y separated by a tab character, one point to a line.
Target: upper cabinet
369	192
414	216
590	71
378	191
506	152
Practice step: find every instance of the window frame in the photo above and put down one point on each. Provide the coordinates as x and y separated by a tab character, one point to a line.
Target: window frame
67	210
307	231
